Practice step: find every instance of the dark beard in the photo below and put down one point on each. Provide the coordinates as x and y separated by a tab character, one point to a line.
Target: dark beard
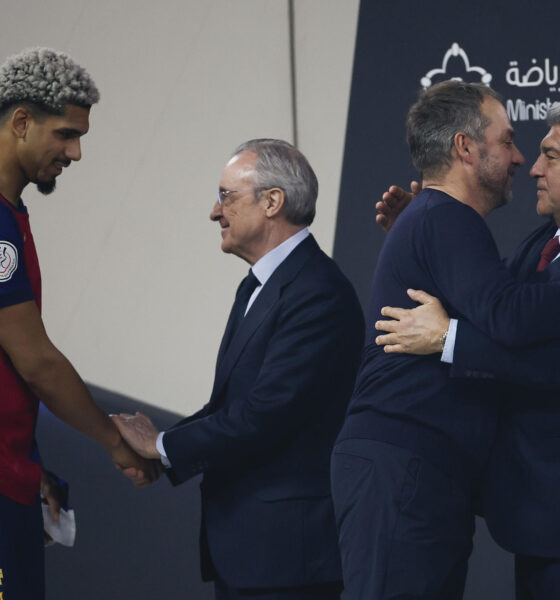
46	187
493	183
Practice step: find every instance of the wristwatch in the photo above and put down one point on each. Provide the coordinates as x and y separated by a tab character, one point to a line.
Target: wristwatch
442	339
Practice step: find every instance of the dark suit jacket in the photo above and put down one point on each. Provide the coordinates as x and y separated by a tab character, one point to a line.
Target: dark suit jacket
264	439
521	495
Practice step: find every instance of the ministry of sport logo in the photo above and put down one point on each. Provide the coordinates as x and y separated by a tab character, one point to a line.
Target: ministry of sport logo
529	79
456	66
8	260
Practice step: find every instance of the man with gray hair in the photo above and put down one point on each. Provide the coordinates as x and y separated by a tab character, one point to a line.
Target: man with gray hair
284	375
408	461
521	493
45	99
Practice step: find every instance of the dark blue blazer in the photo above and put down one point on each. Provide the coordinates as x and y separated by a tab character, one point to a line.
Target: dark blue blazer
521	495
264	439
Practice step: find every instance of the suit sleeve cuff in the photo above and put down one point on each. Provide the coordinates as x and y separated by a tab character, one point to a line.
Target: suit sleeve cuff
161	449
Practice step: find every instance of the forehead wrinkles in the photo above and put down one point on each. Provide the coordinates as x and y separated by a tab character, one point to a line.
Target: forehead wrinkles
552	141
239	170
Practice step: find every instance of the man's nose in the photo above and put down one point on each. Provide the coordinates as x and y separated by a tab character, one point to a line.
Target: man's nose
518	158
216	213
536	169
74	149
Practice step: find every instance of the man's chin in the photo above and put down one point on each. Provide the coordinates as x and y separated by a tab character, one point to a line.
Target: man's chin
46	187
504	198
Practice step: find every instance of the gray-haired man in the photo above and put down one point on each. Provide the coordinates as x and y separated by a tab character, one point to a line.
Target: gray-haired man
45	99
284	374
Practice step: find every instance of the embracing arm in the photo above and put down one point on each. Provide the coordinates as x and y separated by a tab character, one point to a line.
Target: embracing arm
470	279
419	330
475	355
393	202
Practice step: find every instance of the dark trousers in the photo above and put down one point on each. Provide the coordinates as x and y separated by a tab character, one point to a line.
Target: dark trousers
323	591
21	551
537	578
405	527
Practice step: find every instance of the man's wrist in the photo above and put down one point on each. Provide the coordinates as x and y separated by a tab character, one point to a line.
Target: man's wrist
113	441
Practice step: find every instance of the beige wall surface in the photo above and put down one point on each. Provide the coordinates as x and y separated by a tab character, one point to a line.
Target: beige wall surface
136	289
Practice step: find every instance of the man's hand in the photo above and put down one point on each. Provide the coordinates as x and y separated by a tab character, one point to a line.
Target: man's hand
53	494
139	432
415	331
140	471
393	202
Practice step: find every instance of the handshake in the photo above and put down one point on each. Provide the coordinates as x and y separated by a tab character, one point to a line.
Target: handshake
135	454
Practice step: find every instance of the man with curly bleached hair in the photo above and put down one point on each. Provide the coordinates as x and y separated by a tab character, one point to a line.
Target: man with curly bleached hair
45	100
47	78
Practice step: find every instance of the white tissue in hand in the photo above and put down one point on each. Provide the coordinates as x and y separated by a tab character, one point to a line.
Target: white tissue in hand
63	532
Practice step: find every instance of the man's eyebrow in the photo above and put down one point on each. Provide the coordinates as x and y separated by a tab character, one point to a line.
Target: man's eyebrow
545	149
69	131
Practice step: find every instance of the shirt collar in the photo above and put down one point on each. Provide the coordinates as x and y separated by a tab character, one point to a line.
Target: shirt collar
267	264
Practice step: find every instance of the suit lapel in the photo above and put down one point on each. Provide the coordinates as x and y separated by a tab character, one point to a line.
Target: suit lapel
228	332
531	253
262	306
553	270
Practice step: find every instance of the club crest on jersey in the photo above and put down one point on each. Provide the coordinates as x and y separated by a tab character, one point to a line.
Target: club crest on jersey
8	260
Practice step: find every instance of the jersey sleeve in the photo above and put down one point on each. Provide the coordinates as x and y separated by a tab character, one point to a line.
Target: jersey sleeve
15	286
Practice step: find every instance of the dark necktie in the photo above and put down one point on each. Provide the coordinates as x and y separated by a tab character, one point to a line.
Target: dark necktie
246	288
551	249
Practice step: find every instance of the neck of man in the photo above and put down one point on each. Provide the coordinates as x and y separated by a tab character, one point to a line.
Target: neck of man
275	236
12	178
462	186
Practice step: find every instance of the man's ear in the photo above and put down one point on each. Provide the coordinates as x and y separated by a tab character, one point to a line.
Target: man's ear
464	146
274	201
19	121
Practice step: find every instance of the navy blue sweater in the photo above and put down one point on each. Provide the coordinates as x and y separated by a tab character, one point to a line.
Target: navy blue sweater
443	247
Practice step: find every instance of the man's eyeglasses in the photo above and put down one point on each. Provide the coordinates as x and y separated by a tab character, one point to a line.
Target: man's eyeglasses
223	194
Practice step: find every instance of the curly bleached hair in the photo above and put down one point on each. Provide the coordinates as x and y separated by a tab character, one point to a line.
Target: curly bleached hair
47	79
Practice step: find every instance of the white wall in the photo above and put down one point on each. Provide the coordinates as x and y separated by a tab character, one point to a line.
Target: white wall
136	289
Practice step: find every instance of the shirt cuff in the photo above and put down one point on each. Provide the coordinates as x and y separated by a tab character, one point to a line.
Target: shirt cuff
160	448
449	346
